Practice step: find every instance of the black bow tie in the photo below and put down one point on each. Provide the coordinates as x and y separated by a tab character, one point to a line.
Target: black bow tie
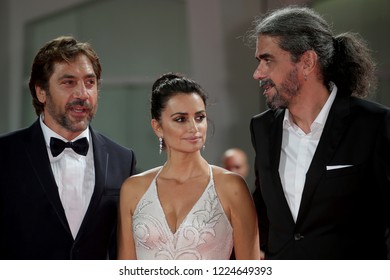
57	146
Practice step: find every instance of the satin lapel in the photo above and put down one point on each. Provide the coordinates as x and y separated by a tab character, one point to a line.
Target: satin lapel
101	157
275	141
276	135
37	155
331	135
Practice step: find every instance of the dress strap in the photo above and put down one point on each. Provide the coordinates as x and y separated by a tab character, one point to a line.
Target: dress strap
211	174
158	173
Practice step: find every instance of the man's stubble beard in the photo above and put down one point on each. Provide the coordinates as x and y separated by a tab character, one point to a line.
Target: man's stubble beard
287	90
62	117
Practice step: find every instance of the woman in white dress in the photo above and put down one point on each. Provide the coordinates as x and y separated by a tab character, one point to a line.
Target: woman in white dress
185	209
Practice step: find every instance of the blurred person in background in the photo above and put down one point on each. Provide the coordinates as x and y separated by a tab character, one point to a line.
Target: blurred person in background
236	160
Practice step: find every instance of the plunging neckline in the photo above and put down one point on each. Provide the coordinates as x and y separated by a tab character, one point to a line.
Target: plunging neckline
192	208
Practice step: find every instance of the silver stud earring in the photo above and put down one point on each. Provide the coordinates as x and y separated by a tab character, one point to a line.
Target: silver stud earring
204	147
161	144
305	77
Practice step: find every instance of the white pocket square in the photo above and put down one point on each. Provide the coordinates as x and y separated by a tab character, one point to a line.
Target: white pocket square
332	167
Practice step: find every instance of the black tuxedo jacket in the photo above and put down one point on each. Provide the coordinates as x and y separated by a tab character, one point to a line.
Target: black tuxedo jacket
33	224
344	212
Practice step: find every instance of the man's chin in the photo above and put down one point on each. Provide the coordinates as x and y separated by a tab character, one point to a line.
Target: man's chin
271	106
275	105
79	126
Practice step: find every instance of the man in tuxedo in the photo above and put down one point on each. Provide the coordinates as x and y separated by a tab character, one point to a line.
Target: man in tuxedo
322	152
60	179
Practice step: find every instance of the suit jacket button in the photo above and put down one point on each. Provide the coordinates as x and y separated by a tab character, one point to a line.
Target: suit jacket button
298	236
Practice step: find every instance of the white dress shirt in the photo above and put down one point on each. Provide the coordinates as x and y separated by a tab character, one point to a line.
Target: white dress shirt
75	177
297	152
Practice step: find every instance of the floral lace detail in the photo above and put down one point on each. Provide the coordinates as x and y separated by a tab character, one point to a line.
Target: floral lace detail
206	218
195	237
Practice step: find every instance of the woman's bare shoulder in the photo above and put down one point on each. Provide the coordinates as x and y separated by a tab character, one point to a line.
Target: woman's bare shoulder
227	177
145	175
229	183
139	183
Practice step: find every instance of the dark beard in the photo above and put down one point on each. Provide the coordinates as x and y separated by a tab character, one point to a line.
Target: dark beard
288	89
62	118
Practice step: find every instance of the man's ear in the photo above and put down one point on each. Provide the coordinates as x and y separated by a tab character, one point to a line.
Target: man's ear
157	128
41	94
309	61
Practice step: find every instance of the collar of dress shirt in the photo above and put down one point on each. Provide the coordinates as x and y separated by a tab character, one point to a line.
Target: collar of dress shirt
320	120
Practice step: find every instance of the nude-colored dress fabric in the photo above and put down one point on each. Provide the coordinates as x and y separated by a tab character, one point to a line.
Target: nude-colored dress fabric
205	233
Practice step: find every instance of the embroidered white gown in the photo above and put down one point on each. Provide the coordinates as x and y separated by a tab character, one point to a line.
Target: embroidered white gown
205	233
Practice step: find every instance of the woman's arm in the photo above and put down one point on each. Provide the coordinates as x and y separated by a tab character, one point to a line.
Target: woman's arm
126	247
243	218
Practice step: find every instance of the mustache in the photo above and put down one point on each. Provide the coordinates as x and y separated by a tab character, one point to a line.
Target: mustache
266	83
79	102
